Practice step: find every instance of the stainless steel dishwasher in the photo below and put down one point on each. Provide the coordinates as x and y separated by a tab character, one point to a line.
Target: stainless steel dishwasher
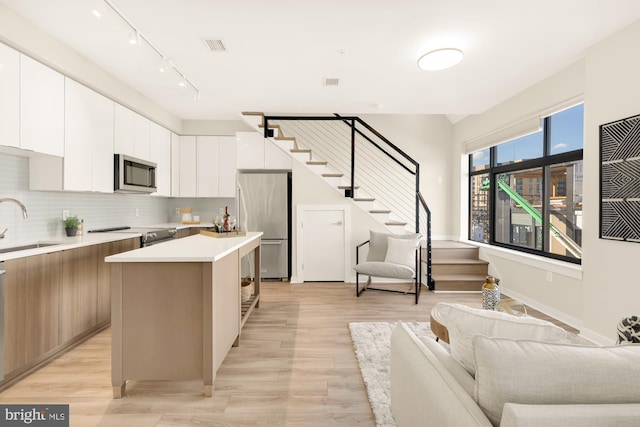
1	320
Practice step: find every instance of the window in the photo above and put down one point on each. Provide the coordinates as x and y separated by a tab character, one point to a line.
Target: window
526	194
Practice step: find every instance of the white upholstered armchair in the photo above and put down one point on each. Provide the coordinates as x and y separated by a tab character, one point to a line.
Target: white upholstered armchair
392	256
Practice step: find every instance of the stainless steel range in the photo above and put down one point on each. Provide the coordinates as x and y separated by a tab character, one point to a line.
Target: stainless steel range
150	235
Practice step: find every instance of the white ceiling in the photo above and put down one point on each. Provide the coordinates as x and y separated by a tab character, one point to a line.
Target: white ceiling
280	51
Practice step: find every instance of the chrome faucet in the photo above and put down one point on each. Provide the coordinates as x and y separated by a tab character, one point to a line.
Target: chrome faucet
19	203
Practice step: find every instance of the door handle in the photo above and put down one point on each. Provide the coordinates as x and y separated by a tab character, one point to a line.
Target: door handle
265	242
337	223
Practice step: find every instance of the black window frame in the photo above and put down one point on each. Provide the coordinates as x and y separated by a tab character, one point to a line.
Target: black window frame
545	163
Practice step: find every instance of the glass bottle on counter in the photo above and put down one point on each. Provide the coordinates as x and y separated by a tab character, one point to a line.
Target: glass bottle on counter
225	225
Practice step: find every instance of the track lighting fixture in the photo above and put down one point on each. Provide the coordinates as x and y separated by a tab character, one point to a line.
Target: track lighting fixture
134	38
98	8
137	38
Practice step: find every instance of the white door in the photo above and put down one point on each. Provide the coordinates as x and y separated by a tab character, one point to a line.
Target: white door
323	245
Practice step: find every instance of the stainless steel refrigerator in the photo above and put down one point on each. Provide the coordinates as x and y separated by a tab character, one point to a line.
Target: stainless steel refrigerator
264	204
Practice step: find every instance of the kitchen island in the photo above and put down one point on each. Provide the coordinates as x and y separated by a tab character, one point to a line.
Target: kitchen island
176	308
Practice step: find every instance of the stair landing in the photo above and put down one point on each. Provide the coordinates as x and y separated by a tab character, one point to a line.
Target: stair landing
456	267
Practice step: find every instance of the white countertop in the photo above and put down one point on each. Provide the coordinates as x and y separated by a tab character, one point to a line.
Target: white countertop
197	248
62	243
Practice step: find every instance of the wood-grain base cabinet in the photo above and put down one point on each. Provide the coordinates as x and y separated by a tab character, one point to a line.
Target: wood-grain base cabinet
31	297
52	301
103	309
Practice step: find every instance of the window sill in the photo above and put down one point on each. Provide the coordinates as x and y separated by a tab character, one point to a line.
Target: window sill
568	269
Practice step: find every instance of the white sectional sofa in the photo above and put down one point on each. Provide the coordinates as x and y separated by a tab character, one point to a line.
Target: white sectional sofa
553	379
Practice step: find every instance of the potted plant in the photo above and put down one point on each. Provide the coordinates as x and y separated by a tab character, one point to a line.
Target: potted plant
71	225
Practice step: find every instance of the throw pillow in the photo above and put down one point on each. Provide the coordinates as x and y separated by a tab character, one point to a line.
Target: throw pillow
378	244
402	251
532	372
464	322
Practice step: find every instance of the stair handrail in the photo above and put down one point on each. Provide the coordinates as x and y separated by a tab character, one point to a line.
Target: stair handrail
423	203
351	122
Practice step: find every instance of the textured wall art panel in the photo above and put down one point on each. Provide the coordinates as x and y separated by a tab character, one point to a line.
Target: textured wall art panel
620	180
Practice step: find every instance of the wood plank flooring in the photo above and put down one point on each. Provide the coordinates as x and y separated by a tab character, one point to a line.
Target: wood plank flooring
295	366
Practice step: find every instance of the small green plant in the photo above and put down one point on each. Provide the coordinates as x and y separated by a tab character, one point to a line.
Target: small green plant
71	222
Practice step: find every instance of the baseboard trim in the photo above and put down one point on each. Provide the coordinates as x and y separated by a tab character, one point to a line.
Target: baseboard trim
574	322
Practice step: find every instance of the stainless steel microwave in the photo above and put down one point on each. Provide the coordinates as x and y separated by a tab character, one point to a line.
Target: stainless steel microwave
133	175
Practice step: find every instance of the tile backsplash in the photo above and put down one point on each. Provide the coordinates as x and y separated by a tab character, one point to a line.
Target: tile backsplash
98	210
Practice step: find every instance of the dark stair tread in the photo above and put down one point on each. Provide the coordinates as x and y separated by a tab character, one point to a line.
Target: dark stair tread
300	150
379	211
363	199
332	175
317	163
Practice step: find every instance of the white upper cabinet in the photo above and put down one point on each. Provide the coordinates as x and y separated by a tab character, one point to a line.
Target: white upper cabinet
160	143
88	146
132	133
175	165
88	160
250	149
41	108
142	140
124	131
187	162
227	166
256	152
9	96
203	166
207	166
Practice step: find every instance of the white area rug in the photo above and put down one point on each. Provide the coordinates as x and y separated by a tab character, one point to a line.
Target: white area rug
372	343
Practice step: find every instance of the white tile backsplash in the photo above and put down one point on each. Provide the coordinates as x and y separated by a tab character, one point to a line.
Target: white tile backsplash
98	210
45	208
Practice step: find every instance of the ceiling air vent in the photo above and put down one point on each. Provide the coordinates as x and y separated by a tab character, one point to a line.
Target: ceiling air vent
216	45
331	81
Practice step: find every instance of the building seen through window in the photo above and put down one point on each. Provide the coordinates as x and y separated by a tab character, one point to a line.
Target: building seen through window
526	194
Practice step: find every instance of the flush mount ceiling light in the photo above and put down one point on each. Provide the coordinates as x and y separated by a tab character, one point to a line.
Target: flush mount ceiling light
137	38
440	59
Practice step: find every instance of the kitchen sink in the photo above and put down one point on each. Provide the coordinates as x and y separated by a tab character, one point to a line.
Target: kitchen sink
26	247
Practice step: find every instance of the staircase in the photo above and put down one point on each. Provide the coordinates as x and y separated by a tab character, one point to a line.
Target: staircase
394	222
456	267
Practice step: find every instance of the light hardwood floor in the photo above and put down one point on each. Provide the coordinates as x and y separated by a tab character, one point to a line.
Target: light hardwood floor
295	366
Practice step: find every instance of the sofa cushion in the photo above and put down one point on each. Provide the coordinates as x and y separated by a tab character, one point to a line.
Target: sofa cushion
464	322
455	369
402	251
378	244
533	372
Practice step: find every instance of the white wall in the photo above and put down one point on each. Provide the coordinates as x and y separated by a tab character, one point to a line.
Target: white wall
595	296
426	138
611	285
